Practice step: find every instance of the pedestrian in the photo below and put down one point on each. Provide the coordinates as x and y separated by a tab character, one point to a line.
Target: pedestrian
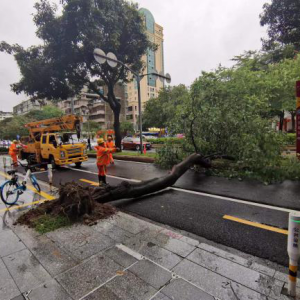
110	144
103	159
13	152
89	144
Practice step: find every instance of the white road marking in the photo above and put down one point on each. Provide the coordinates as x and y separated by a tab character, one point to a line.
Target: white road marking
110	176
125	161
233	200
203	194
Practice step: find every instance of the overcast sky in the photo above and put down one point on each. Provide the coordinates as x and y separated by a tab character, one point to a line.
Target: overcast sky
199	35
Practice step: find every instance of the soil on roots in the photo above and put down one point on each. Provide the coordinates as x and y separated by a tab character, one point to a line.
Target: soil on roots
75	202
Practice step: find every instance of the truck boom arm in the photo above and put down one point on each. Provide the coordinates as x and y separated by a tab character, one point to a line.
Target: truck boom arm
68	122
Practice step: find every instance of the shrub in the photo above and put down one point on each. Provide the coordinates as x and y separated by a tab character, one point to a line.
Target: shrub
290	138
167	140
169	155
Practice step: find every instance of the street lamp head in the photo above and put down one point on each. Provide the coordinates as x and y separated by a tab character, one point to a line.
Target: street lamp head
100	56
112	60
168	78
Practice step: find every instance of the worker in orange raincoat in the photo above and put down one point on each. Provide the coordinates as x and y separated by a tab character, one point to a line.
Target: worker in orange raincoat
13	152
103	159
110	144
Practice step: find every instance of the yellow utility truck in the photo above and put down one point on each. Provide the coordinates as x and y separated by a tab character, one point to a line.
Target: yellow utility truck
55	141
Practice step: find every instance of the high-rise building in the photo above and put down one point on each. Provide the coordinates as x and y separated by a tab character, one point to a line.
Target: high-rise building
154	61
92	108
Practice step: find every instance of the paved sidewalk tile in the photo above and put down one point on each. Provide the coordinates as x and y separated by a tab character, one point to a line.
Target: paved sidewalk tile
10	243
27	235
102	293
54	259
81	242
178	236
182	290
8	288
120	257
238	273
215	284
284	277
151	273
20	297
128	286
114	232
27	272
49	291
90	274
172	244
128	223
160	296
160	255
238	259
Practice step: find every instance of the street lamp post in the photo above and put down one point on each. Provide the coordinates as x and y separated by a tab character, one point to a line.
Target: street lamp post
112	61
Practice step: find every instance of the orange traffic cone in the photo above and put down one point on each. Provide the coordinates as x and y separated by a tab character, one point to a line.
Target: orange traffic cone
145	150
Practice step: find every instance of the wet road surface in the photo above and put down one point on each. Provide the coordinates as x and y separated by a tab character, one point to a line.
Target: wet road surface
207	216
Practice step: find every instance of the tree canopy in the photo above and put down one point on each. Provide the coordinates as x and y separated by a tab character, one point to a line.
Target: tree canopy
11	127
283	20
159	111
64	63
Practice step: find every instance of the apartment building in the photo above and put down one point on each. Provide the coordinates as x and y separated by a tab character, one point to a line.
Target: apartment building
28	105
5	115
154	61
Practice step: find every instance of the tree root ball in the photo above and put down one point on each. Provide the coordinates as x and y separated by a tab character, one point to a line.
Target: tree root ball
75	202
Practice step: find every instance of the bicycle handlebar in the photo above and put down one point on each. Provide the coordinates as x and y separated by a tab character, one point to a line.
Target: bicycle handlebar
27	166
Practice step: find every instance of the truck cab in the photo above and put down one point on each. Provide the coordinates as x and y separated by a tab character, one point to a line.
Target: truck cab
61	149
51	141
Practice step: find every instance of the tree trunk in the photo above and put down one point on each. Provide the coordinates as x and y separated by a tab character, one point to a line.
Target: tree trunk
293	115
281	119
118	135
127	190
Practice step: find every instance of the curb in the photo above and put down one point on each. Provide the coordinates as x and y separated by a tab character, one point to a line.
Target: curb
148	160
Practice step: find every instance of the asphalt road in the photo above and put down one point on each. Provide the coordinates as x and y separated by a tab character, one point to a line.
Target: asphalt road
196	212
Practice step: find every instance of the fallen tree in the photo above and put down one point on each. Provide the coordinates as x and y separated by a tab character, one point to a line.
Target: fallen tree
88	204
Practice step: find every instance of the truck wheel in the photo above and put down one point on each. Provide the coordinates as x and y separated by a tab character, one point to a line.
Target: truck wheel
137	148
78	164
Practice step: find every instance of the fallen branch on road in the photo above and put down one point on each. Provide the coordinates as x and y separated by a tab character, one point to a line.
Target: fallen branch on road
88	204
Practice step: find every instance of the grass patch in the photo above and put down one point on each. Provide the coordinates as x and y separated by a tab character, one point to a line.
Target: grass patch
49	223
135	153
129	153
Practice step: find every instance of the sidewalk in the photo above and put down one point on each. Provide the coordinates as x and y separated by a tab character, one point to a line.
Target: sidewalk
128	258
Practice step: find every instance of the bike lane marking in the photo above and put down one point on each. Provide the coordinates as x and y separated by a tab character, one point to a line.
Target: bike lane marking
46	197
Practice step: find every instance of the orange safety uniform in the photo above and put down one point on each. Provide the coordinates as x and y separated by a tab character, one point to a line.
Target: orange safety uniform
103	158
110	144
13	152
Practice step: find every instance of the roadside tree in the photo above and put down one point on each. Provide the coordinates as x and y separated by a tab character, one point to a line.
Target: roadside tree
283	20
64	63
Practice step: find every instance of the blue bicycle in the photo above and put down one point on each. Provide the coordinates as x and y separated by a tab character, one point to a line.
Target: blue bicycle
12	189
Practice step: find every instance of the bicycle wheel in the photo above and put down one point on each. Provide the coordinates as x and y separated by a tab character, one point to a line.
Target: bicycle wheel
35	183
10	192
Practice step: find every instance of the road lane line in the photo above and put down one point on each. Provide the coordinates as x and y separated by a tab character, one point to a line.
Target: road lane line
90	182
110	176
234	200
254	224
24	205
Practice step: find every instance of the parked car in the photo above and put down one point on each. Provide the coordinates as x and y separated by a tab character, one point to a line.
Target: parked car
130	143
